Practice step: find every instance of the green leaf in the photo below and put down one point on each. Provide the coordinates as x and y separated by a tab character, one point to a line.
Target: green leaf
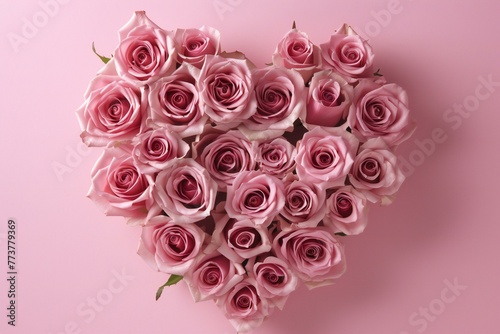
378	74
173	279
341	234
105	60
294	26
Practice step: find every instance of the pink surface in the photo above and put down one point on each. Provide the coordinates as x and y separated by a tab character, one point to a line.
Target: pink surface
426	264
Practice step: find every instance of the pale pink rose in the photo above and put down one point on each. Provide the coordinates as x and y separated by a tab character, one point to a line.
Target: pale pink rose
185	191
212	276
296	51
146	53
280	97
154	150
275	280
347	211
175	103
243	306
225	155
226	90
376	172
114	110
380	110
348	54
314	254
240	239
325	156
255	196
120	189
139	18
276	157
170	247
304	204
328	100
193	44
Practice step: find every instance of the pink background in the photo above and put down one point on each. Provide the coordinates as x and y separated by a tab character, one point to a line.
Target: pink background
443	227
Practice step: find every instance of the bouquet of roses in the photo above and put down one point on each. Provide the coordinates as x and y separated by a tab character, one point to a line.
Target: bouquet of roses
243	179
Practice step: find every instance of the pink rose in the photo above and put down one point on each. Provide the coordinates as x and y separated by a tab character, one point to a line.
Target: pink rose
240	239
276	157
304	204
114	110
328	100
146	53
213	276
225	155
348	54
139	18
380	110
255	196
243	306
275	280
194	44
280	95
314	254
185	191
120	189
170	247
376	172
175	103
226	89
325	156
347	211
296	51
154	150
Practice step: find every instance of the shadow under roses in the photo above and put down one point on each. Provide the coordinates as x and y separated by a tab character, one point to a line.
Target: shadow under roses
421	217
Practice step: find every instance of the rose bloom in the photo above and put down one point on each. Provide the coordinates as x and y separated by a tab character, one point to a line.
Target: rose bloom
212	276
193	44
304	204
175	103
243	306
325	156
154	150
170	247
328	99
296	51
347	211
276	157
114	110
348	54
240	239
226	90
225	155
146	53
314	254
280	96
380	110
120	189
185	191
376	173
275	279
255	196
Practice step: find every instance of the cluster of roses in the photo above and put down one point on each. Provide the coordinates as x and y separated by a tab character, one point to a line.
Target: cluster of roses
242	178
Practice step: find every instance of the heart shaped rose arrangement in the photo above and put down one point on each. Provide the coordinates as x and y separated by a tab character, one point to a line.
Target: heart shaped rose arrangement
243	179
